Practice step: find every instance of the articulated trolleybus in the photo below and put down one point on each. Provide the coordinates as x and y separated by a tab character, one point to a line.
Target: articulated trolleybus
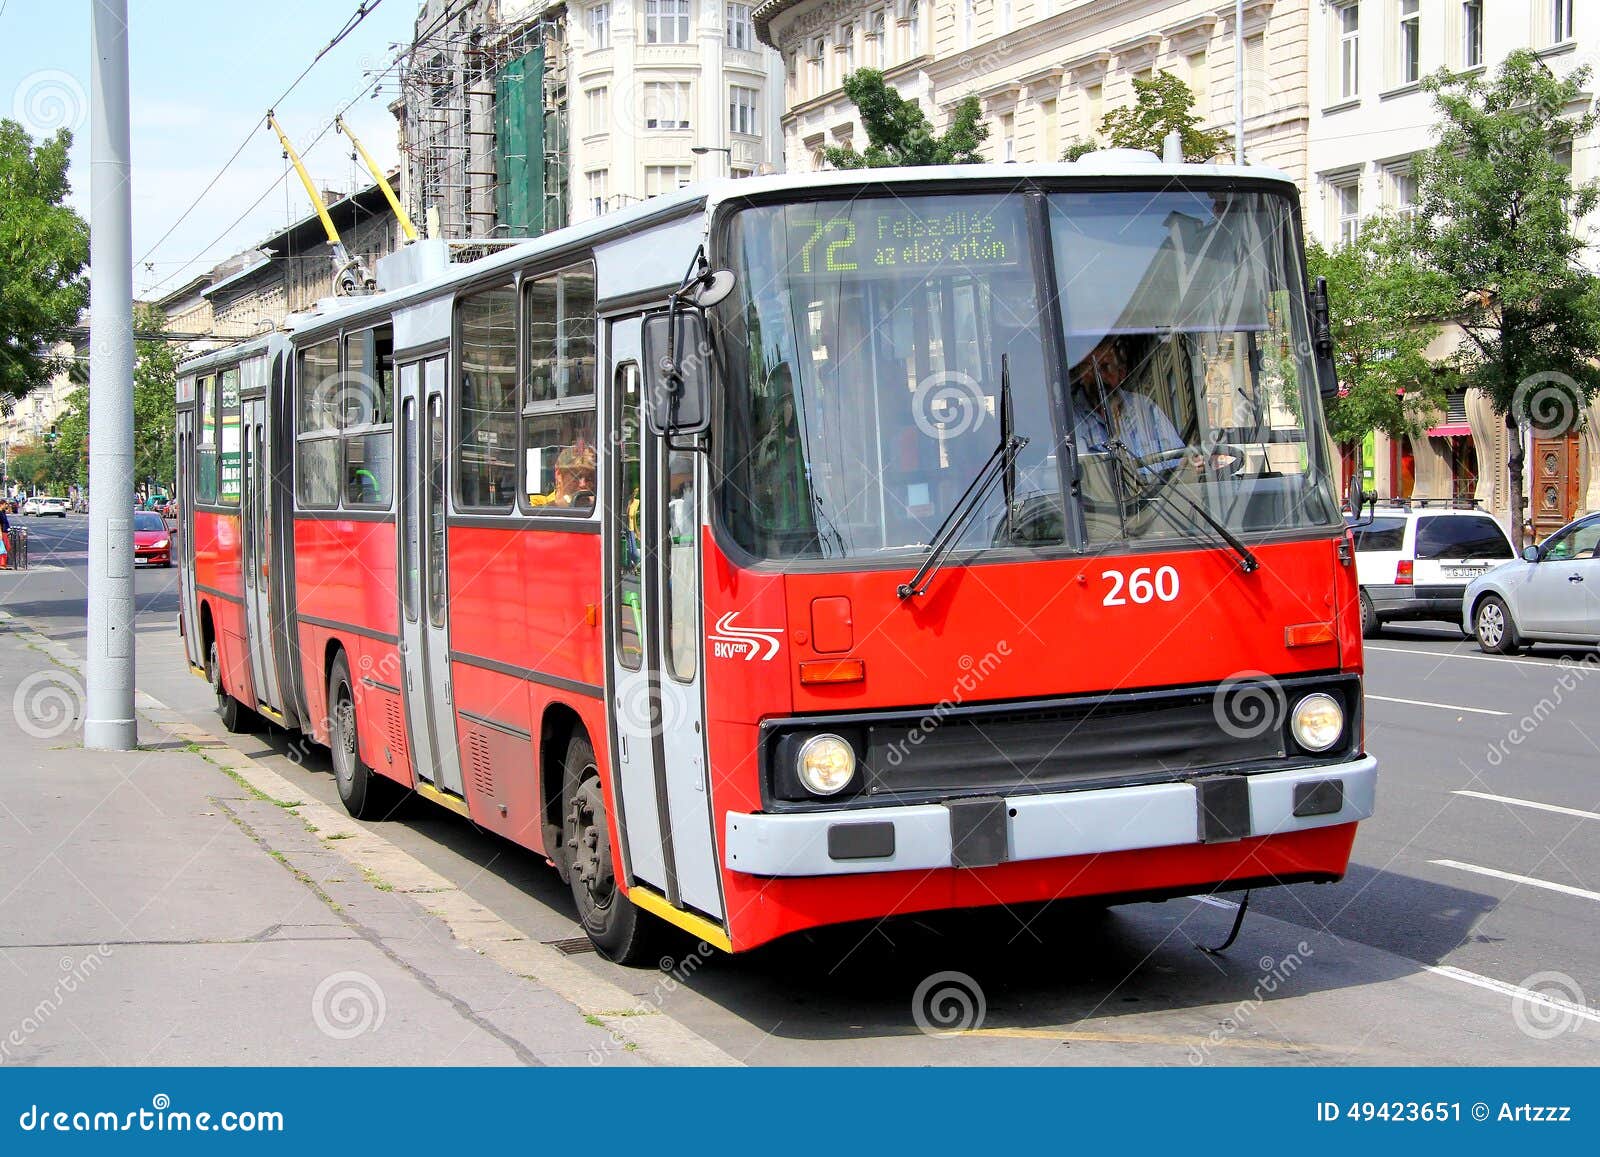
800	550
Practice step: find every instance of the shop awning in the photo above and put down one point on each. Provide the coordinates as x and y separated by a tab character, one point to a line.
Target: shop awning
1451	430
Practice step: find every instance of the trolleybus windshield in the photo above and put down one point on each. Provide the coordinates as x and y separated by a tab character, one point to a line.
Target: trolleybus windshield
1161	336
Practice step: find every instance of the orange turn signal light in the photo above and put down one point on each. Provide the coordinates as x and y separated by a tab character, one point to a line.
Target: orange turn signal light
814	671
1308	634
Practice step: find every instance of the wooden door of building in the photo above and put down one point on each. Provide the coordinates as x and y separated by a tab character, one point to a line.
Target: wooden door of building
1554	483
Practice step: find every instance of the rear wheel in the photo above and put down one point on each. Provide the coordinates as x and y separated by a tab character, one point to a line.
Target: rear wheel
1496	632
235	716
618	928
366	795
1371	628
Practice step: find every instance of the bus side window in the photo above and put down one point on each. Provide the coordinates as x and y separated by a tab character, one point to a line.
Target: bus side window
628	511
317	432
367	418
206	458
558	411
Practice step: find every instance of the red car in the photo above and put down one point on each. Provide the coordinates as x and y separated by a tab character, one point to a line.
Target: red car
152	543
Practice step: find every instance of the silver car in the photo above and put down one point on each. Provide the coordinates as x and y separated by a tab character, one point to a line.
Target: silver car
1551	596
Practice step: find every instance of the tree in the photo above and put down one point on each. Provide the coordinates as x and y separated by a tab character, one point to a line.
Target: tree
1495	231
1381	305
899	133
44	247
154	410
1161	103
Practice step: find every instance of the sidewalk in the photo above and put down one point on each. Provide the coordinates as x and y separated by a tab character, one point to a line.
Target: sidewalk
179	905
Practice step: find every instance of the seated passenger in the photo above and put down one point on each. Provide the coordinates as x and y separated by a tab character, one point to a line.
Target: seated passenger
574	480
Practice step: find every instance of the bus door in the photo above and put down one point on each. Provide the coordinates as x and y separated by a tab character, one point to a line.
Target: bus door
653	601
188	603
424	623
254	520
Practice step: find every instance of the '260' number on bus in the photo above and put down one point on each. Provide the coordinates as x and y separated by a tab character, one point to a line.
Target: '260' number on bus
1144	585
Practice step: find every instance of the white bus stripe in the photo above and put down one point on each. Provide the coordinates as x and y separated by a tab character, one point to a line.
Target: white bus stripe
1441	706
1565	889
1544	807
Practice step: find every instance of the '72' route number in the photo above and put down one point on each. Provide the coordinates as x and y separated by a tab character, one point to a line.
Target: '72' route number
1146	584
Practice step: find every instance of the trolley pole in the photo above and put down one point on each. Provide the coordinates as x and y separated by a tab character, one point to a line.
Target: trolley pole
109	721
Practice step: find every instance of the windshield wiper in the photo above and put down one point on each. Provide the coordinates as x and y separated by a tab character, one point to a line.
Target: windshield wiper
1248	562
1002	463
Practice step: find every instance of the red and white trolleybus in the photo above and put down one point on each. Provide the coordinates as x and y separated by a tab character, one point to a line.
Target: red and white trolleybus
799	550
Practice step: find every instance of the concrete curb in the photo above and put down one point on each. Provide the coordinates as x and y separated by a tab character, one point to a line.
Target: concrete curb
654	1036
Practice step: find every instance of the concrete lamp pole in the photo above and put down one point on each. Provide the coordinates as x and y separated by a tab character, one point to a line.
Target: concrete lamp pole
109	723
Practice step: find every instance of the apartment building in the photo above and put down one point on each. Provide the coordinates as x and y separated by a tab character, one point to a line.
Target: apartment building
666	92
1369	119
1045	71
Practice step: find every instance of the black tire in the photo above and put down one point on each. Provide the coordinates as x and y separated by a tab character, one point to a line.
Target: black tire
366	795
1371	625
619	930
1495	628
235	716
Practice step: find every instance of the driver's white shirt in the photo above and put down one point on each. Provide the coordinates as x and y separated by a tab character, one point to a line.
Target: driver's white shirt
1145	428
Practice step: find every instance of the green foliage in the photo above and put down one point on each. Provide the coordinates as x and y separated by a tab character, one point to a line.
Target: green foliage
1161	103
899	133
1494	232
1381	305
44	247
154	411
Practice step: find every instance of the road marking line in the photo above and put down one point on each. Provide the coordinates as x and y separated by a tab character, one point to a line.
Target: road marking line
1230	905
1464	655
1544	807
1441	706
1565	889
1517	991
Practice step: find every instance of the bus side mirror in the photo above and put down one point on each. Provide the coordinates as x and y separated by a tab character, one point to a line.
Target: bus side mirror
677	356
1357	498
1322	342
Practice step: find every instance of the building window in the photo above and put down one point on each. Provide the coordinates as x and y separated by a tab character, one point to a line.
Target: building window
1002	16
666	21
1409	46
1348	21
1403	190
914	29
1094	108
660	179
1050	133
597	192
1008	137
814	66
847	50
1346	199
876	55
599	109
1472	33
666	104
1199	77
742	110
1560	16
966	23
599	26
741	30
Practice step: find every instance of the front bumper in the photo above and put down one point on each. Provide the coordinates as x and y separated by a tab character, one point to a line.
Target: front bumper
1035	827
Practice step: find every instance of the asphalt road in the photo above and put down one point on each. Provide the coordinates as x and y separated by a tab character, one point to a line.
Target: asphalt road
1481	870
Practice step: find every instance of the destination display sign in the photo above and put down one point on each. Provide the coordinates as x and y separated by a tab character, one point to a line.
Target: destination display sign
862	239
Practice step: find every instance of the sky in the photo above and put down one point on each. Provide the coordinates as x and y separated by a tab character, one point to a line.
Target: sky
202	72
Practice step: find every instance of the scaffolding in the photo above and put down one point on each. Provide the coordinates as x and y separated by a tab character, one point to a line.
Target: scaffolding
483	114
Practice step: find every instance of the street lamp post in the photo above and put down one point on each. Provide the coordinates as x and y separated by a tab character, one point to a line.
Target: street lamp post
702	150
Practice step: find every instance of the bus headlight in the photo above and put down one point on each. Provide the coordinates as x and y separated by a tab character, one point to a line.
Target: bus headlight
826	764
1317	722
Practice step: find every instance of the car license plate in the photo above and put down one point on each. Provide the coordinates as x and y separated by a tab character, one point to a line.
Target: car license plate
1466	572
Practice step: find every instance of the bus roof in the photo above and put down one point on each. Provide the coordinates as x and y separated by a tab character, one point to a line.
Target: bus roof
707	196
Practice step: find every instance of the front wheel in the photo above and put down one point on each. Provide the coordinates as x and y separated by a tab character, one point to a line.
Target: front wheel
619	930
1496	632
366	795
235	716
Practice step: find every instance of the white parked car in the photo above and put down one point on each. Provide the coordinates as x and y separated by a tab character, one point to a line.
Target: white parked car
1550	595
43	505
1414	560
